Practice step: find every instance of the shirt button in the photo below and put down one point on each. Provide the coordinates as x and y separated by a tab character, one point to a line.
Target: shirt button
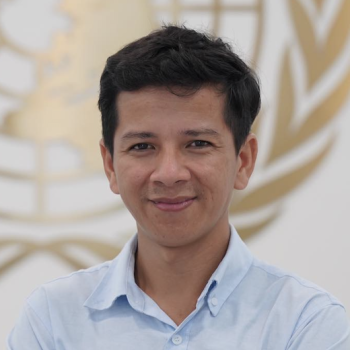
214	301
177	339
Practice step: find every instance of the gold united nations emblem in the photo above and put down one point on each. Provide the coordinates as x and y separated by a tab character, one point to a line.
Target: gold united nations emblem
49	122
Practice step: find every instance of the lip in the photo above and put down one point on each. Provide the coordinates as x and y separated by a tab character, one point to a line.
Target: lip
173	204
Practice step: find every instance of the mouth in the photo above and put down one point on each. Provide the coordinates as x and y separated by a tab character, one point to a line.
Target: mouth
173	204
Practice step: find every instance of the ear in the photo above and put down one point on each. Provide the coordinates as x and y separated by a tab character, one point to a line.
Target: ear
246	162
109	167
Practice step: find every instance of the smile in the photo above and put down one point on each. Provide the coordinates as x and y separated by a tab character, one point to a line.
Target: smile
173	204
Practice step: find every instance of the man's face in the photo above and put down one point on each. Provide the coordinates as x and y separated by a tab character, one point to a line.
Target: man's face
175	164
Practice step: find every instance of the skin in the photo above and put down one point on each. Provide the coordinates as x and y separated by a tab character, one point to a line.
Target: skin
175	167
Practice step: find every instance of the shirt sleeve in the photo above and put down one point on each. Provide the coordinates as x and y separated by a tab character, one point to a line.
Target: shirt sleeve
327	329
30	332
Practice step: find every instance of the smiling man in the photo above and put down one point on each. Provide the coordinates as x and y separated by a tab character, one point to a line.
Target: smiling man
177	107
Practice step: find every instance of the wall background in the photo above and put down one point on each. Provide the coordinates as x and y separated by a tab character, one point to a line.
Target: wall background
56	211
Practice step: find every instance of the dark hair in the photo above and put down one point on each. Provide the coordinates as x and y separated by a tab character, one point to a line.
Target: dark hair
178	57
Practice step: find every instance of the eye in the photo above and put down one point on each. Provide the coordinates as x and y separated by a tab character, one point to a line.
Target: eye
141	147
200	144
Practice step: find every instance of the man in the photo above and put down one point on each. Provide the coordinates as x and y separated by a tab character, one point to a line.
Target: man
177	107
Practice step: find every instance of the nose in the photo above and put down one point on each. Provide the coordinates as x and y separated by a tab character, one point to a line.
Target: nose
170	169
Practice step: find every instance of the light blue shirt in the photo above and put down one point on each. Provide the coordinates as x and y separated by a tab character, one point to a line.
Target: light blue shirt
246	305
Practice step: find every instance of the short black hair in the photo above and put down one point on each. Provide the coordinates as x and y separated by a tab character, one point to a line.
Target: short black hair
178	57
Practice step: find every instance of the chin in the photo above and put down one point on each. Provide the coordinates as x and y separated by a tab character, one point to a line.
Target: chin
170	235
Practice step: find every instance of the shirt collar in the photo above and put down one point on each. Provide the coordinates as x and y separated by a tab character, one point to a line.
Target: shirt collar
230	272
115	282
119	279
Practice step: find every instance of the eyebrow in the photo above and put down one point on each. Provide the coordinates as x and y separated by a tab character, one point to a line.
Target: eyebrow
139	135
200	132
187	132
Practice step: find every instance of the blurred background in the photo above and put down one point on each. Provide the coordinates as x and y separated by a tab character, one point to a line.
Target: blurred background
57	213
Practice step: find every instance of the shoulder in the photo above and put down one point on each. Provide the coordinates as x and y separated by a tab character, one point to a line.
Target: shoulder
295	296
68	294
52	306
289	283
306	315
77	285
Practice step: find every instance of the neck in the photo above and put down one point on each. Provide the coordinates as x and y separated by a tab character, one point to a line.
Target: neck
174	277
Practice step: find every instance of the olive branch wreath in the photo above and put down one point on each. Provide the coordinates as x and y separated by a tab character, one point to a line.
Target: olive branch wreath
318	59
286	139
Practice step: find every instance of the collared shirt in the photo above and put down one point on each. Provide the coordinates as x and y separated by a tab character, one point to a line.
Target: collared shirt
246	305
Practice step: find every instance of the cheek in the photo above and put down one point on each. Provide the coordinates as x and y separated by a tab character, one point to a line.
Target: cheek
130	179
218	172
220	180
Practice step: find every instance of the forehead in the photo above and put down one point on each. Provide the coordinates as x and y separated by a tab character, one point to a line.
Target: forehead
148	104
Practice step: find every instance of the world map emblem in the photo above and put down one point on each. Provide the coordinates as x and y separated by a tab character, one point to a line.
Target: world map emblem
51	173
